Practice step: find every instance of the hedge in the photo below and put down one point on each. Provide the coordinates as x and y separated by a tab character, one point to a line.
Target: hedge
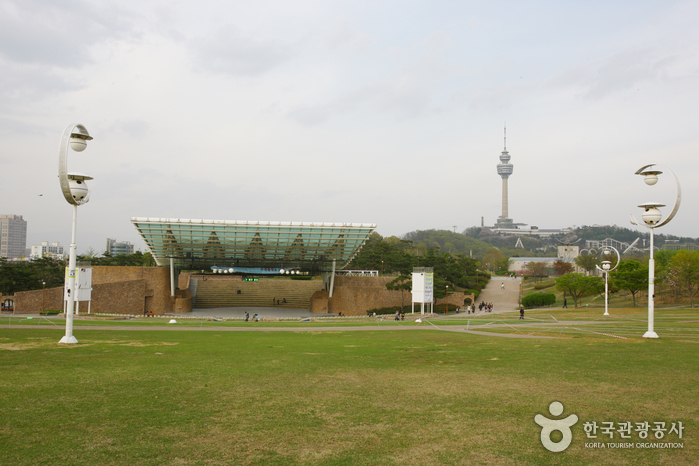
538	300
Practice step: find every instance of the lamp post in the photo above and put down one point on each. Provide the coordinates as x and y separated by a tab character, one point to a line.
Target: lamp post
446	301
76	192
652	219
43	294
606	268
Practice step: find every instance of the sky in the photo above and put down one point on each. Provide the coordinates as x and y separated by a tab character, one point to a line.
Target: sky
385	112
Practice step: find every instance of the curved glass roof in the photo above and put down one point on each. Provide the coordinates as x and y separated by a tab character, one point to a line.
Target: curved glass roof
202	243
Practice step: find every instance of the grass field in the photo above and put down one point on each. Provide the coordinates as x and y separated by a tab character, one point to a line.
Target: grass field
328	396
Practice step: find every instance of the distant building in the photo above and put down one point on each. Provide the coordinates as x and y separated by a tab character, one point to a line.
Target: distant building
115	248
676	246
13	236
53	250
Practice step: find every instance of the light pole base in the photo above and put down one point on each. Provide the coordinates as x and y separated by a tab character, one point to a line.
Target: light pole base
72	339
605	314
650	334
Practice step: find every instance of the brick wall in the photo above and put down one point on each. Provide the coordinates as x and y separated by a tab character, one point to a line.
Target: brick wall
117	290
30	302
357	295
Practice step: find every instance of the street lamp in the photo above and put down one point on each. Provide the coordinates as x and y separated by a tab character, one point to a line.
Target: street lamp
446	301
76	192
652	219
606	268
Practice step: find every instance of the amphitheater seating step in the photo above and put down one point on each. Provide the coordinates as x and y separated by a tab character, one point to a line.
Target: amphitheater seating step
233	292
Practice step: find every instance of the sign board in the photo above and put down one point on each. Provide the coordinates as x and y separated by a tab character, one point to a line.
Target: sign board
423	285
83	284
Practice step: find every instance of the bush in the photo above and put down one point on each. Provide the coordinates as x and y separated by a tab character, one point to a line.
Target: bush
387	310
51	312
538	300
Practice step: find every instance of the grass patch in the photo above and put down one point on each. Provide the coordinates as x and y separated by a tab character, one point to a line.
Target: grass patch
333	397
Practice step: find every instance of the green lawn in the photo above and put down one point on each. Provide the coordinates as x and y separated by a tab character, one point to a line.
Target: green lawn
333	397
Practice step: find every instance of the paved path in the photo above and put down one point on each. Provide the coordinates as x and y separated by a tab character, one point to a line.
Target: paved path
504	300
239	312
428	324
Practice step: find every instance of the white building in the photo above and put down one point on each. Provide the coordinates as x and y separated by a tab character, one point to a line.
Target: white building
54	251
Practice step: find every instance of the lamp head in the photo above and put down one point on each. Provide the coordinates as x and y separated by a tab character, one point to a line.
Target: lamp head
651	214
78	140
606	265
78	187
650	176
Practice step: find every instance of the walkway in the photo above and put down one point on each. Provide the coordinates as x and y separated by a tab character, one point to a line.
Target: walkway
504	300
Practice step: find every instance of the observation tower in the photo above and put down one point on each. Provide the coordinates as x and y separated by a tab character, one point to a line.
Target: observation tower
504	170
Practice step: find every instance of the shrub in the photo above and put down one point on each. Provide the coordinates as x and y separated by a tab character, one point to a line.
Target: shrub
538	299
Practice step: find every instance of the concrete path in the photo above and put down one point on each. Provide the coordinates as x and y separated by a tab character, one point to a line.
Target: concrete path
431	324
239	312
504	299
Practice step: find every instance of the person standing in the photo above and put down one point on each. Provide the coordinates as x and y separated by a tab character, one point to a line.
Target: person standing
521	312
247	317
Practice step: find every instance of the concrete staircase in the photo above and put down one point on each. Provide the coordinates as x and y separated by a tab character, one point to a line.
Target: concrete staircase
233	292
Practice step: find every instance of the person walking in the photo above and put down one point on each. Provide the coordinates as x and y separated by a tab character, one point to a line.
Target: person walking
521	312
247	317
565	303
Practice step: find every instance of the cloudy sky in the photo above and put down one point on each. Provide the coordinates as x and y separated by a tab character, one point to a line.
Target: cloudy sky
386	112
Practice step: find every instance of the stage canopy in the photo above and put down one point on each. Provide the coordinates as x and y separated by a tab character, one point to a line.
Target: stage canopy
199	244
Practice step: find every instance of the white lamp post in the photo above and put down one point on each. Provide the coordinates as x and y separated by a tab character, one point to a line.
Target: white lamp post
652	219
606	268
76	192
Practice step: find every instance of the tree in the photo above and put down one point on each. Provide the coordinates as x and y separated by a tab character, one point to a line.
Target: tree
561	267
536	269
578	285
632	276
685	264
491	259
587	262
402	283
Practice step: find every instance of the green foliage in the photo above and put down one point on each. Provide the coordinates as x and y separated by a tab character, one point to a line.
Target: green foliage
455	243
394	255
382	311
685	268
632	276
587	262
578	285
137	259
19	276
538	300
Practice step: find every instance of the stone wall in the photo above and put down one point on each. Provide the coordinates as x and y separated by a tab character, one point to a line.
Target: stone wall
31	302
115	290
357	295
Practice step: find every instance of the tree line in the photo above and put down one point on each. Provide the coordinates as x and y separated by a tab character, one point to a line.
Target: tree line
675	271
396	256
16	276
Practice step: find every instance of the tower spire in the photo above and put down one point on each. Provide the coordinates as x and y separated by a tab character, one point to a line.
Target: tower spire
505	148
